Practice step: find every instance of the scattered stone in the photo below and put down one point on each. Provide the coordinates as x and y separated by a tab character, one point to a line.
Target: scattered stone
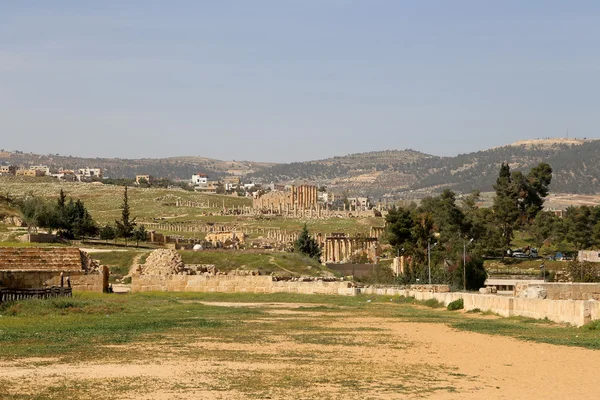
534	292
163	262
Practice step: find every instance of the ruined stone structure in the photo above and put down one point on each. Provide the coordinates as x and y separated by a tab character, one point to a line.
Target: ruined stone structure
296	200
39	267
228	238
338	248
377	231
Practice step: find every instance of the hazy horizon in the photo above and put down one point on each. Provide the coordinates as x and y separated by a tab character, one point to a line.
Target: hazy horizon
284	81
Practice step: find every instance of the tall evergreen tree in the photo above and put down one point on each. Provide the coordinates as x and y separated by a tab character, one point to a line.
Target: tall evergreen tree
305	244
125	225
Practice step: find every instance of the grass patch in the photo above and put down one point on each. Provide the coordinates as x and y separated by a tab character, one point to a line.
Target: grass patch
283	264
122	259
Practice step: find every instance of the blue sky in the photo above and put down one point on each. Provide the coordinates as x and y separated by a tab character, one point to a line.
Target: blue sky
294	80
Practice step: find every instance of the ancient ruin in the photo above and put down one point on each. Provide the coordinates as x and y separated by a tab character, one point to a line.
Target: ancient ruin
338	247
41	267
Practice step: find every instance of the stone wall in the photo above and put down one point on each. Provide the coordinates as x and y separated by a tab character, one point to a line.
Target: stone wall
565	291
574	312
235	284
356	270
80	281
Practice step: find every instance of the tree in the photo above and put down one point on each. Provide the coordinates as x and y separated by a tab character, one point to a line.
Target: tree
399	224
519	198
107	233
125	225
546	226
140	235
36	213
506	209
579	226
306	245
80	221
220	188
583	272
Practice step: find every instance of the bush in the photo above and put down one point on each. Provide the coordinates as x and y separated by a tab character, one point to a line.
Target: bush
592	326
456	305
433	303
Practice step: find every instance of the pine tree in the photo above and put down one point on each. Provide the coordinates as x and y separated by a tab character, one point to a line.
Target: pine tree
305	244
125	225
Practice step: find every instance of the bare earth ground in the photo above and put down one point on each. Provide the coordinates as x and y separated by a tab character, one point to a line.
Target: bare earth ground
373	358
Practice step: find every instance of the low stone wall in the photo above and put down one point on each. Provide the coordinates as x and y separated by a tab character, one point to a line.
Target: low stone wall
356	270
235	284
565	291
382	290
594	310
574	312
80	281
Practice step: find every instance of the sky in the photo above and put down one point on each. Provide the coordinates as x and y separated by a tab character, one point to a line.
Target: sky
294	80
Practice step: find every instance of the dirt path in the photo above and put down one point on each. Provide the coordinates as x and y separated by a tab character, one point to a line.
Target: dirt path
383	359
135	263
272	261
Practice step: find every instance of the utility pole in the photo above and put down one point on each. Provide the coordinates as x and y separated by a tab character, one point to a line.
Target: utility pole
429	247
465	263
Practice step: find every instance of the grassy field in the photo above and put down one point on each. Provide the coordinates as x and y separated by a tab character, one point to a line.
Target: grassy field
283	264
103	201
156	205
290	348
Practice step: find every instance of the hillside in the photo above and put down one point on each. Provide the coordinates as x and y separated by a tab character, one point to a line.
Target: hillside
394	173
377	170
172	168
411	174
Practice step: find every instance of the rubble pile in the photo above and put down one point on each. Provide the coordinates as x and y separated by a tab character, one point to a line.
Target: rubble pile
200	269
163	262
242	272
88	264
307	278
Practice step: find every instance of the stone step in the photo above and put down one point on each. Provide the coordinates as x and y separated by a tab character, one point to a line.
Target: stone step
40	258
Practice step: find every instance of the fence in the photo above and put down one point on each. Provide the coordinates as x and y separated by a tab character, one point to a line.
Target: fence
22	294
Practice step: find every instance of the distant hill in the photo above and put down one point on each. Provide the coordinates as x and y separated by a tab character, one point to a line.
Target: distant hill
172	168
397	173
576	165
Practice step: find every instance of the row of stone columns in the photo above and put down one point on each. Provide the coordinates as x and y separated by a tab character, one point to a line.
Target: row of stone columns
340	249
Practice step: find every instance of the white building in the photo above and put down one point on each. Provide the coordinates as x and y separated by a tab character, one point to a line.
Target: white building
90	172
200	179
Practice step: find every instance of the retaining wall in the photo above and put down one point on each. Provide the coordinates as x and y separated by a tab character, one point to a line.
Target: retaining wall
80	281
566	291
574	312
234	284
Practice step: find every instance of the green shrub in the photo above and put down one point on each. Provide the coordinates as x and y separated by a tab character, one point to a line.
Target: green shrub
593	326
474	311
456	305
433	303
